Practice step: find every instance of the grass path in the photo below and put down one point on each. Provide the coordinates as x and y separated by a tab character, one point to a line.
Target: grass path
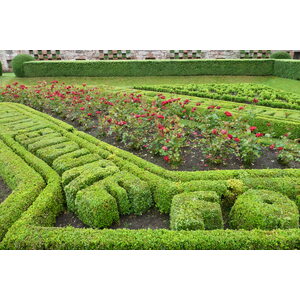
271	81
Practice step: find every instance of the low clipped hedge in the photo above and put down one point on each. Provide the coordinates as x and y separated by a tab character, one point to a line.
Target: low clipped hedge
149	68
264	209
287	68
34	229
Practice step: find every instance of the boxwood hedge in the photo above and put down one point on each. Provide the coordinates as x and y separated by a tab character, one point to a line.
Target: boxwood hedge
149	68
34	227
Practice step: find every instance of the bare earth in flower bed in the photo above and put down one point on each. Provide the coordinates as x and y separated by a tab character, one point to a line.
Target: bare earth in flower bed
4	191
152	219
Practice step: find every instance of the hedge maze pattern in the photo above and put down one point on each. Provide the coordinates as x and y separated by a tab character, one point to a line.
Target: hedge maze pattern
49	165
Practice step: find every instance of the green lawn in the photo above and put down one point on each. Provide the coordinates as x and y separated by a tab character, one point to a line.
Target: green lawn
271	81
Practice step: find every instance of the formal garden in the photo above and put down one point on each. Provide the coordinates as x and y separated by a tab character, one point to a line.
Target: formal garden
162	154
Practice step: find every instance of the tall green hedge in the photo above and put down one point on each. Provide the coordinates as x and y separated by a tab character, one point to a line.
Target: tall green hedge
149	68
287	68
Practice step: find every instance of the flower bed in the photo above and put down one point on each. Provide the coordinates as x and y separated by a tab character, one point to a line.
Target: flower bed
166	126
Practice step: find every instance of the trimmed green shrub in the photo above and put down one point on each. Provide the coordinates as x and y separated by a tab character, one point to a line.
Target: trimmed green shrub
17	64
263	209
96	207
287	68
183	67
196	210
280	55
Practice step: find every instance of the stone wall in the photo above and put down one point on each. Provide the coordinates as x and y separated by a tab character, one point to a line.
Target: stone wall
7	55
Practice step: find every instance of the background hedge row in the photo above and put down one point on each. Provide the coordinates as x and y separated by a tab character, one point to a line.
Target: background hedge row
287	68
149	68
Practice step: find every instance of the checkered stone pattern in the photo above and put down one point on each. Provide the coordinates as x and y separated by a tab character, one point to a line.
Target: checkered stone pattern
115	54
256	54
46	54
185	54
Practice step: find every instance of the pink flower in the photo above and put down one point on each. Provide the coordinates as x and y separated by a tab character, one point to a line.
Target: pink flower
223	131
259	134
164	148
214	131
252	128
236	139
82	108
228	114
98	112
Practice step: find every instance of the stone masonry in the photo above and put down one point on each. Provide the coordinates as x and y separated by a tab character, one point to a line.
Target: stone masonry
6	56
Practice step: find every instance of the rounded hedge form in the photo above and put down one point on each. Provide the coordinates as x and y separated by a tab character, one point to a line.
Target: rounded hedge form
17	64
263	209
280	55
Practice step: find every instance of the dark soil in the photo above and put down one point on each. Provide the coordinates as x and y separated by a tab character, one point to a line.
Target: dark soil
152	219
4	191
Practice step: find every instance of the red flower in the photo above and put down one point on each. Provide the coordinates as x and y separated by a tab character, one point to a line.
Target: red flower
98	112
218	107
198	104
286	134
259	134
89	114
160	116
255	100
164	148
228	114
82	108
167	158
162	97
241	107
54	81
223	131
272	146
252	128
237	139
280	148
214	131
230	136
211	107
193	109
84	84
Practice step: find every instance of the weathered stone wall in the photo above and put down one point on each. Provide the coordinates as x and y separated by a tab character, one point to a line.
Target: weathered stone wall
7	55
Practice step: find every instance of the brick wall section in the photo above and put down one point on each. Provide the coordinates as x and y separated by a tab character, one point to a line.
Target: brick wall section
7	55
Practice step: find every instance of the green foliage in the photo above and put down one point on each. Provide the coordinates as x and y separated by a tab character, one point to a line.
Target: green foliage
196	210
149	68
287	69
96	207
18	64
280	55
264	209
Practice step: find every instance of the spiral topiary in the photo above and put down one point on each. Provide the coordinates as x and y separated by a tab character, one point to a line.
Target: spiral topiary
280	55
17	64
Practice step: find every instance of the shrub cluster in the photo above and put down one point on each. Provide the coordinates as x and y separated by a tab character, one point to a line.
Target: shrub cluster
280	55
242	93
18	64
149	68
264	209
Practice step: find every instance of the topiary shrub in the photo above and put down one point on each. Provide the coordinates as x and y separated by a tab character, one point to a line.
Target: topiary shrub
280	55
17	64
196	210
264	209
